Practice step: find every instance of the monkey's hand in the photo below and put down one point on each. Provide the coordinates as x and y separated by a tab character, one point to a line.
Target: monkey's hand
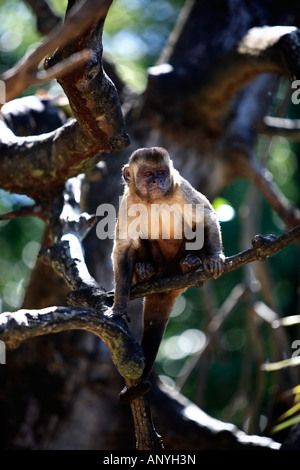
215	264
189	262
127	395
144	271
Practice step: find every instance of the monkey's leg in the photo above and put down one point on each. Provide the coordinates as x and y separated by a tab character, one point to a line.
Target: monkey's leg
123	270
157	310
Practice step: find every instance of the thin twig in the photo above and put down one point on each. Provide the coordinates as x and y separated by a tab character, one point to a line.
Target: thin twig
283	127
262	248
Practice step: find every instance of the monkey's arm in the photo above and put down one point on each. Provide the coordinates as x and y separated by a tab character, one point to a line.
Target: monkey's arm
123	261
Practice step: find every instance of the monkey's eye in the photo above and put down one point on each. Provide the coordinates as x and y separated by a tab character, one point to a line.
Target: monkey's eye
148	173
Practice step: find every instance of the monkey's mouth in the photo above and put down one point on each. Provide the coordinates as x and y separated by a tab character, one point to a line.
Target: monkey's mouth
157	191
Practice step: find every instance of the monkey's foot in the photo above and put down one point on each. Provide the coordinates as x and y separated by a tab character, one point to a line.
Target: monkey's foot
127	395
117	313
144	271
215	264
189	263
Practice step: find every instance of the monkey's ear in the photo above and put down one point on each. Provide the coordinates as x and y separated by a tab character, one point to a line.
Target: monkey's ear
126	173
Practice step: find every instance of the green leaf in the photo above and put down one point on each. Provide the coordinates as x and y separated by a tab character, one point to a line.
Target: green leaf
286	424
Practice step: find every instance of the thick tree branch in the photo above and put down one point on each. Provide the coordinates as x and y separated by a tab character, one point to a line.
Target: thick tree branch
239	154
209	94
47	161
265	49
197	430
24	324
146	436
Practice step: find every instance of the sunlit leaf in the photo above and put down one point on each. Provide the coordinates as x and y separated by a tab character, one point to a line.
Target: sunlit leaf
288	321
272	366
290	412
286	424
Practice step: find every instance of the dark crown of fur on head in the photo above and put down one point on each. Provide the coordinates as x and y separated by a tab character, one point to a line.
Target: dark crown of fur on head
152	155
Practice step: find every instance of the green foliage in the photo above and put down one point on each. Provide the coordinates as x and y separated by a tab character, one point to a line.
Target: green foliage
136	32
287	419
17	32
19	245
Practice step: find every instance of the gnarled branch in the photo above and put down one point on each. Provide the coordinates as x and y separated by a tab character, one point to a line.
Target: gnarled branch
80	18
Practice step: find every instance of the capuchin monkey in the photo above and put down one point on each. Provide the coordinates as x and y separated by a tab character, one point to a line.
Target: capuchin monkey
165	227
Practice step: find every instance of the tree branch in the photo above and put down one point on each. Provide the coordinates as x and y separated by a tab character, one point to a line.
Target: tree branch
78	20
125	351
80	279
146	436
288	128
265	49
45	162
210	92
67	258
262	248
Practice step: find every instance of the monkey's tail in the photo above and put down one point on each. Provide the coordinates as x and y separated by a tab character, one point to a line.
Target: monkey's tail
156	313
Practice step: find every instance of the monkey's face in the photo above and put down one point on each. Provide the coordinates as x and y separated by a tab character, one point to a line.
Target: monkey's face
153	182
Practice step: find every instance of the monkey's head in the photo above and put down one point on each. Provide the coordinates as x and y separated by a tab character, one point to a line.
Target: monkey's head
149	173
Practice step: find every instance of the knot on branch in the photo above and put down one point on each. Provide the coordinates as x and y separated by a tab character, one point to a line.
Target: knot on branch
259	243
